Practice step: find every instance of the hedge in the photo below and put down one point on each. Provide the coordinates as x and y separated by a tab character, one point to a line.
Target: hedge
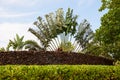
50	57
59	72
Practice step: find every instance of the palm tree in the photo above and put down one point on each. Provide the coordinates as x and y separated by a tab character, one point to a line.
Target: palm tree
17	44
59	29
48	32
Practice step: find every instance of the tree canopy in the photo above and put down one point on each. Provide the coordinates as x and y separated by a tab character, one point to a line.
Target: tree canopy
108	34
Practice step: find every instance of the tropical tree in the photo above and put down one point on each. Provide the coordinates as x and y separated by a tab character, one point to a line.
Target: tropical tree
108	34
59	31
16	44
56	24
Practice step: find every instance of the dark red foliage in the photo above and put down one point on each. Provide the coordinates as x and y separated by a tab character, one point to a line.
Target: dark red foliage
50	57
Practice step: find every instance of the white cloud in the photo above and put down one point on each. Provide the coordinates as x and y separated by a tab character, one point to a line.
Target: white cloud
9	30
28	2
8	8
5	13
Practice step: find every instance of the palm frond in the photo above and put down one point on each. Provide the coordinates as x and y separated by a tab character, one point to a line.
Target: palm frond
32	45
84	35
17	43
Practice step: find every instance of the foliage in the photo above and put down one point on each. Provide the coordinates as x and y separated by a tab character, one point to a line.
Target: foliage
94	48
108	34
59	72
32	45
55	24
49	33
2	49
17	44
84	35
67	46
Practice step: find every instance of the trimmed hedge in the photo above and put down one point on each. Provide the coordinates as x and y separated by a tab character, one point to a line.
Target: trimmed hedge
59	72
50	57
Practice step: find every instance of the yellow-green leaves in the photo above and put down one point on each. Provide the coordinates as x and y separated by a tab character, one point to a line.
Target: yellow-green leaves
59	72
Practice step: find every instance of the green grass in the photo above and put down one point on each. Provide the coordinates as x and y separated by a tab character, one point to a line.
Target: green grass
59	72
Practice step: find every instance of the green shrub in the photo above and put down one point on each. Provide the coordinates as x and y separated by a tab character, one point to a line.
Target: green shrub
59	72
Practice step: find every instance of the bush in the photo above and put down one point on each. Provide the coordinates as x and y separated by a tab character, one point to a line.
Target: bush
59	72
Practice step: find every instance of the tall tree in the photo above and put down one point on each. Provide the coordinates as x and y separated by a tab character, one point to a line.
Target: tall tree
108	34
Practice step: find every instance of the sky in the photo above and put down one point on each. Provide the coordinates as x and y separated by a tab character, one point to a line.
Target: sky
17	16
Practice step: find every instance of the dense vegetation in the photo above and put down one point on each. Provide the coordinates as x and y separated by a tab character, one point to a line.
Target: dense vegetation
106	40
59	35
59	72
60	31
108	35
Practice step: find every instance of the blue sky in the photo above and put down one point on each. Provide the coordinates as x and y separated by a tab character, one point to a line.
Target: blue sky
16	16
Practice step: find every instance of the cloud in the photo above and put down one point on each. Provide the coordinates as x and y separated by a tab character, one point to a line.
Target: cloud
18	2
28	2
9	30
21	8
